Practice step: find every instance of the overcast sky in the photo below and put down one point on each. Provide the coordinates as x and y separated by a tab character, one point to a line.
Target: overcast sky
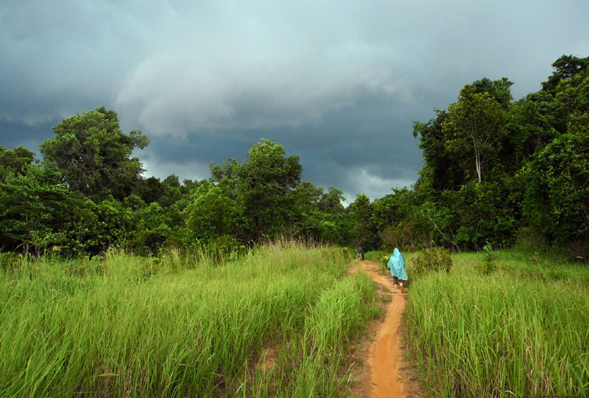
337	82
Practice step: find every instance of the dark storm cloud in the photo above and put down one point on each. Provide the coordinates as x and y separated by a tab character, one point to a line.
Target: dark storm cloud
337	82
14	134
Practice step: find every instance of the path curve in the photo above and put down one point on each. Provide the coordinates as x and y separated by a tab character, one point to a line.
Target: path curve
385	354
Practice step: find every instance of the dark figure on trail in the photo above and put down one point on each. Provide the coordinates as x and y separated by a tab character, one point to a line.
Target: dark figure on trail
397	268
360	253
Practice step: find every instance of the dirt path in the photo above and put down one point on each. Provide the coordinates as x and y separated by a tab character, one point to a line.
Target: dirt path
385	359
388	374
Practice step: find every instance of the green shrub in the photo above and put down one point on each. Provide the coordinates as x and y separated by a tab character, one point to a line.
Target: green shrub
435	259
372	255
488	266
11	261
384	262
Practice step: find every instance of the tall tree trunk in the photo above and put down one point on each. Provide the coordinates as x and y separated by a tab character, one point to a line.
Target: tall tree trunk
478	165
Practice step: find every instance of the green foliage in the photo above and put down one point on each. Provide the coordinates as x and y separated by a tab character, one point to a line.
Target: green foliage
14	161
435	259
474	324
93	155
34	207
474	129
411	235
331	201
496	172
557	199
154	227
489	265
399	221
11	262
495	167
211	213
263	190
320	215
442	171
268	178
486	211
115	223
166	192
106	325
365	230
384	262
565	67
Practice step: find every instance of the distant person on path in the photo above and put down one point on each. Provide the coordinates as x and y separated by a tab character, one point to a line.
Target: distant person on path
360	253
397	268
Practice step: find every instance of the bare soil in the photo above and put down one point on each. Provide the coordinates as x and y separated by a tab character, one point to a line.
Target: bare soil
385	371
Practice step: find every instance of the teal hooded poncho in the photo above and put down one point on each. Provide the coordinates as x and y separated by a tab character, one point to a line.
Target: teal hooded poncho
397	265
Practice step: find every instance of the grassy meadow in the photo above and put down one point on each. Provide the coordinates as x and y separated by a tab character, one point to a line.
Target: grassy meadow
277	322
512	325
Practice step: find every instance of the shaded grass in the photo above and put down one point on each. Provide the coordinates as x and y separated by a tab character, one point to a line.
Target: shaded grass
521	330
373	255
129	326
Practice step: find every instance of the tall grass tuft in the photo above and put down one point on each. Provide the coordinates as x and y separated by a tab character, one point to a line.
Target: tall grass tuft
171	327
514	330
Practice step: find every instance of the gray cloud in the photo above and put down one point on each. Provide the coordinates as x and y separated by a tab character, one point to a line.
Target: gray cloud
336	82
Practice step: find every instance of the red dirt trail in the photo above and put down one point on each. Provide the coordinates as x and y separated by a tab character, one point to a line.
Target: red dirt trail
385	355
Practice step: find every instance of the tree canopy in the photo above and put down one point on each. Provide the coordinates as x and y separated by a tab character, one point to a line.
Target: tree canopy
494	167
93	155
496	171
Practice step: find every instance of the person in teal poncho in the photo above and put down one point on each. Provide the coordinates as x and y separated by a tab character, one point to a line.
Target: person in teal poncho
397	268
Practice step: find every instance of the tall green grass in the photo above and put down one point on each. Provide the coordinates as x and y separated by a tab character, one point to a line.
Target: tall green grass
135	327
521	330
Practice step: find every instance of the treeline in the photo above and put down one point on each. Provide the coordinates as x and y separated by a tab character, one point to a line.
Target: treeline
497	172
88	194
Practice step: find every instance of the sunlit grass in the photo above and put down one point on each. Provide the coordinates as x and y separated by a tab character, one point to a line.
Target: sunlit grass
128	326
520	330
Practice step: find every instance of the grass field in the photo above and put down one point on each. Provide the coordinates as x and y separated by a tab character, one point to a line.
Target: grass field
275	323
513	327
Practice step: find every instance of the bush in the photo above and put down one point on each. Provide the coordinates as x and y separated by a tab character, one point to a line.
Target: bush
489	266
384	262
11	261
435	259
223	248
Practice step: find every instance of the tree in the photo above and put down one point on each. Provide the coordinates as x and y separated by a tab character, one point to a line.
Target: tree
464	187
34	207
319	215
210	213
166	192
499	90
14	160
565	67
331	201
441	170
263	189
364	231
93	155
529	130
474	127
557	198
399	222
268	178
227	176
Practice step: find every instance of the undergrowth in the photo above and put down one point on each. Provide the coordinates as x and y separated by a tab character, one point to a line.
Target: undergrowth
168	327
500	324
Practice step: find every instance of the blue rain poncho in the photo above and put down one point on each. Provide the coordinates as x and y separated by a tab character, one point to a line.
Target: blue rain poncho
397	265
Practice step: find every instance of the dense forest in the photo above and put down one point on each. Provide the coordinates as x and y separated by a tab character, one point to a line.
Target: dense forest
497	171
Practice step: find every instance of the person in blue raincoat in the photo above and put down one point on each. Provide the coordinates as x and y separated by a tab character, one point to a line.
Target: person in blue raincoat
397	268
